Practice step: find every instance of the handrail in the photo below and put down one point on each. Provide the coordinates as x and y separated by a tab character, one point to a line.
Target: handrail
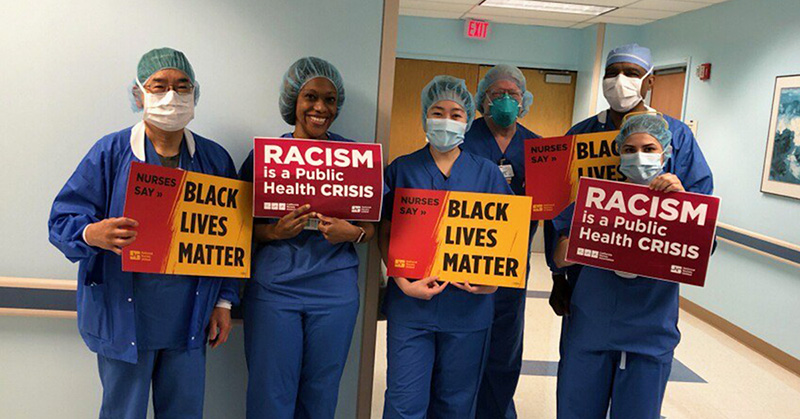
779	250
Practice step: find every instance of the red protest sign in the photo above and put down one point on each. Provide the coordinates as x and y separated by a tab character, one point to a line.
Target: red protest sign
189	223
460	237
629	228
554	165
338	179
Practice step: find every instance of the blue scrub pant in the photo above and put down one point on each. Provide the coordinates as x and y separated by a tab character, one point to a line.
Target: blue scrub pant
178	378
588	381
504	365
295	357
433	375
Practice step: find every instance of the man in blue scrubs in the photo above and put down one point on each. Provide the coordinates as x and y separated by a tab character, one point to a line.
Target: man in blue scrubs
628	77
502	98
147	329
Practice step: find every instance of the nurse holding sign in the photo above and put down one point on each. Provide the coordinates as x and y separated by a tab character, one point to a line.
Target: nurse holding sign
302	301
623	329
438	332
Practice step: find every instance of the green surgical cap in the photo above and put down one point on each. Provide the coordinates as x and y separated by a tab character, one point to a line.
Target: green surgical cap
161	58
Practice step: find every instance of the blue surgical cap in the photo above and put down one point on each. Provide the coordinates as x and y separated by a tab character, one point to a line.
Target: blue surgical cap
159	59
631	53
447	88
647	123
504	72
300	73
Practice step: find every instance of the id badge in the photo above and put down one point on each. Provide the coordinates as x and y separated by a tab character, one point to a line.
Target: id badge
312	224
508	171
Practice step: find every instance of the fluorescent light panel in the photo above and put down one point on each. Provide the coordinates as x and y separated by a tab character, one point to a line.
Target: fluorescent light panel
549	6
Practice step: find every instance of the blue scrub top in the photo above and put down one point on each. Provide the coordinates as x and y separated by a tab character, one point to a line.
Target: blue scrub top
480	141
453	310
96	191
306	268
163	304
611	313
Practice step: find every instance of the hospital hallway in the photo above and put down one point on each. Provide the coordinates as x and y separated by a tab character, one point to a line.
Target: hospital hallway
713	375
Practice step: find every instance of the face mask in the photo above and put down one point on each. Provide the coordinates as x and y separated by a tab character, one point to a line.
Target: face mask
504	110
641	168
623	93
445	134
168	111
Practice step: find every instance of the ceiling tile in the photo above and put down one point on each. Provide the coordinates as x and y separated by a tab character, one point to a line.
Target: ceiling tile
430	13
581	25
619	20
521	20
641	13
669	5
435	5
403	3
612	3
530	14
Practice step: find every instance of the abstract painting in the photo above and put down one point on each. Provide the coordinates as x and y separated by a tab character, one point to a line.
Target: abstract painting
782	158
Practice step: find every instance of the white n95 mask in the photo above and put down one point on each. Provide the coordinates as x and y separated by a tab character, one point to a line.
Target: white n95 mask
168	111
623	93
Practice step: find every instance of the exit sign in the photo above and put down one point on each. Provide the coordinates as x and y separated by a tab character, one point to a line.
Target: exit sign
476	29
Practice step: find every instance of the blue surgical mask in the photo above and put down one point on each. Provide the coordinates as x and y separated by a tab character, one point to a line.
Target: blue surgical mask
445	134
641	168
504	110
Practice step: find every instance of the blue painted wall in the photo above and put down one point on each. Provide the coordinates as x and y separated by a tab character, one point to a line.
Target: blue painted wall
524	46
749	43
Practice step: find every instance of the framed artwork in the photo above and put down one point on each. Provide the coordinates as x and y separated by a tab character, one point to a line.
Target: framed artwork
782	159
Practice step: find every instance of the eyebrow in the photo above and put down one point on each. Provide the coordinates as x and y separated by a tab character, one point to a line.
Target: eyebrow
163	80
327	92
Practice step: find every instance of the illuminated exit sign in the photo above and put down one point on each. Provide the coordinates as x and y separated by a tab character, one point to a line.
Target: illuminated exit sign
476	29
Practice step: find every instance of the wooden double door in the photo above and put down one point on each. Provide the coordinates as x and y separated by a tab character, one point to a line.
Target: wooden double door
550	115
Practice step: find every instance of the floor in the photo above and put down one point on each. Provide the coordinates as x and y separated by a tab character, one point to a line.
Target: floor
713	375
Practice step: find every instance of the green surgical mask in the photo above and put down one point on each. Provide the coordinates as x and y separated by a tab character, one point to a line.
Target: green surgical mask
504	110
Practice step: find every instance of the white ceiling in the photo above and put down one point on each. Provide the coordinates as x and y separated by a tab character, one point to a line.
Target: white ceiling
628	12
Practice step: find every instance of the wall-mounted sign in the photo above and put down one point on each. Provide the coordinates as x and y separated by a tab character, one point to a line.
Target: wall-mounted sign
476	29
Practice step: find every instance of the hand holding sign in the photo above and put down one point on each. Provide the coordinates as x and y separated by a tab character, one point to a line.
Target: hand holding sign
667	182
336	230
111	234
290	225
424	289
475	289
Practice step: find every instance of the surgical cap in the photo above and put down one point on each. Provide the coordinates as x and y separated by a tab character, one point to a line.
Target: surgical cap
300	73
648	123
159	59
447	88
631	53
504	72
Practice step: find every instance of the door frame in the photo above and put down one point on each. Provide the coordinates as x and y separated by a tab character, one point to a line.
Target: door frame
685	62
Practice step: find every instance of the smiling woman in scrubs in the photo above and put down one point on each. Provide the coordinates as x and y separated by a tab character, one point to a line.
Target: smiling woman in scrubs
623	329
301	304
438	333
147	329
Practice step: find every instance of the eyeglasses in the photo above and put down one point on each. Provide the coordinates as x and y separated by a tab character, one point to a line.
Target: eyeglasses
515	94
182	88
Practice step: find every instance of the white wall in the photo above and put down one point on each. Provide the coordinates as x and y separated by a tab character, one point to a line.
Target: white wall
64	73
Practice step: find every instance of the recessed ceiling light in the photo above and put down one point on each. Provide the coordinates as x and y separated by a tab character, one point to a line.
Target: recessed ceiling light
549	6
